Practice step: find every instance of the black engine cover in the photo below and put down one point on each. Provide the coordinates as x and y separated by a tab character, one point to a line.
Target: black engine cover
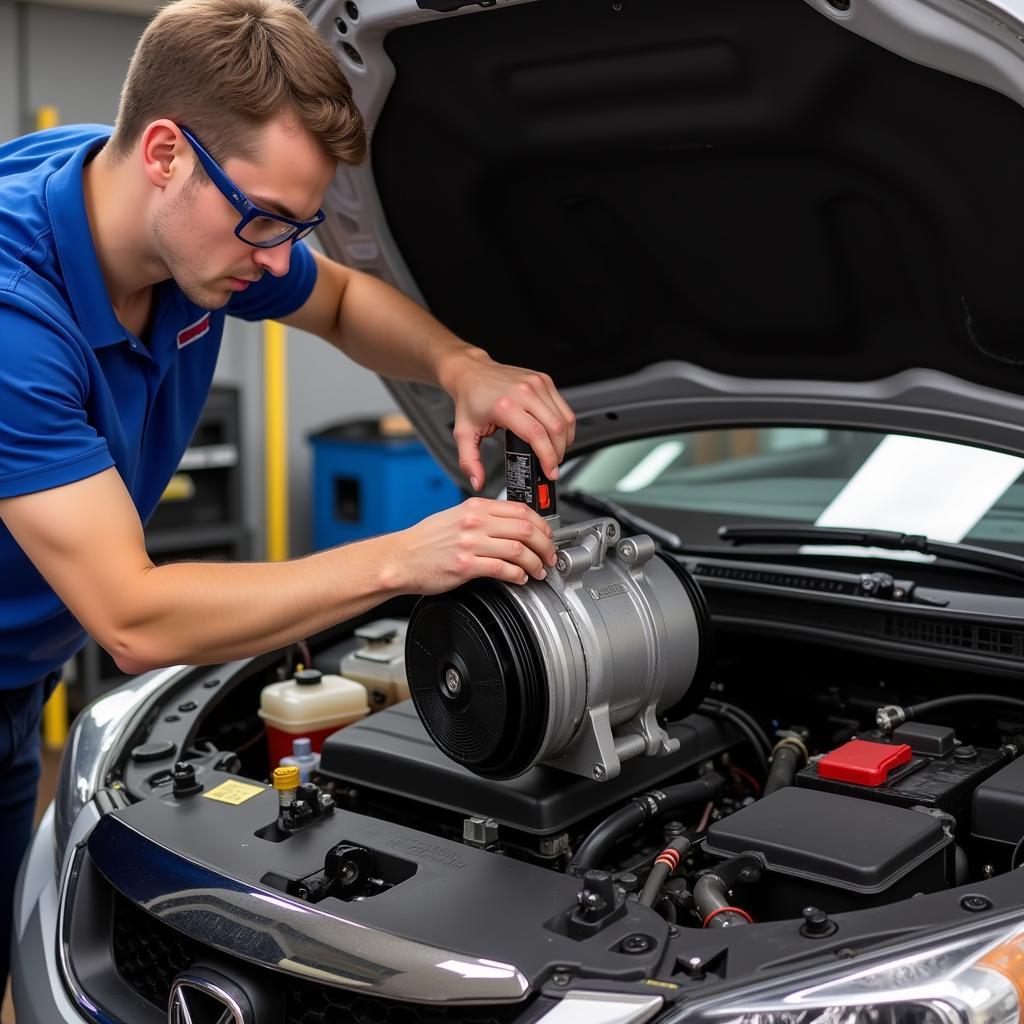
390	752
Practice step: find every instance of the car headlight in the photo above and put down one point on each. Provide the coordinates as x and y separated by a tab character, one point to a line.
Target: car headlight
977	978
94	740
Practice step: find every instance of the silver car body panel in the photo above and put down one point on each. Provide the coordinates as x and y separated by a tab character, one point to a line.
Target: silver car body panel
977	40
272	930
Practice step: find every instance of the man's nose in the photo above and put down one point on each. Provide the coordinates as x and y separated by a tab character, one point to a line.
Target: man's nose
274	260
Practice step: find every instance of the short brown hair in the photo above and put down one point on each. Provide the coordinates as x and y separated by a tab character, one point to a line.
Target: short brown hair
226	67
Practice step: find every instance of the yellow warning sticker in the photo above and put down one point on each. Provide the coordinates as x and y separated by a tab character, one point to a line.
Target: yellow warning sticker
232	792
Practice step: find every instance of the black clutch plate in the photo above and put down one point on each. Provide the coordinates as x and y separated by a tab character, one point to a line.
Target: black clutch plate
477	680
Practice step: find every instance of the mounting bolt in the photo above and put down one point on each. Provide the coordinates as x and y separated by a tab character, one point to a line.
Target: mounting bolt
693	966
452	681
610	531
560	975
636	945
976	904
562	565
627	551
598	771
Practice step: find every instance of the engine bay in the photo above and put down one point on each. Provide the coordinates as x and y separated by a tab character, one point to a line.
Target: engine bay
824	813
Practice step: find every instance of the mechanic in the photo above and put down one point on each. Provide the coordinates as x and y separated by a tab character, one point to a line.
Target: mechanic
121	253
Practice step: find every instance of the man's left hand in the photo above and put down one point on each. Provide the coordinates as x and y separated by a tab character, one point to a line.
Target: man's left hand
490	395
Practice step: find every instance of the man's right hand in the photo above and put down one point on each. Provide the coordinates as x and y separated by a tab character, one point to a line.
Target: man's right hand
503	540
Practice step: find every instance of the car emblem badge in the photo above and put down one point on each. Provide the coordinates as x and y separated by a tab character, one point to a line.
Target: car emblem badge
202	997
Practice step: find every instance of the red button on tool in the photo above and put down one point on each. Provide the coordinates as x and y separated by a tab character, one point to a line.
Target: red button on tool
544	495
863	762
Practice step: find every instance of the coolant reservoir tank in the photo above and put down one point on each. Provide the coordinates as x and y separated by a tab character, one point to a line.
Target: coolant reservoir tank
380	663
312	704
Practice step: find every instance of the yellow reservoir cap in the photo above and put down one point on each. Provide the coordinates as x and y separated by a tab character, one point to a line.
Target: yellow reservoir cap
286	777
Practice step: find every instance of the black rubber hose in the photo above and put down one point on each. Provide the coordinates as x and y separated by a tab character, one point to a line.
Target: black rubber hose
739	712
711	894
664	865
917	710
639	810
727	716
786	761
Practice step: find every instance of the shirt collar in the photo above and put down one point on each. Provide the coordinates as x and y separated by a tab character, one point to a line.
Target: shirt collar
65	201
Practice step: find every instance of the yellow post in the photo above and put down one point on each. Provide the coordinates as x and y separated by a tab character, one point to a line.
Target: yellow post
55	714
55	718
275	411
47	117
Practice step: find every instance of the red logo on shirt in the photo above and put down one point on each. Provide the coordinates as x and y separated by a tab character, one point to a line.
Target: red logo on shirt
194	331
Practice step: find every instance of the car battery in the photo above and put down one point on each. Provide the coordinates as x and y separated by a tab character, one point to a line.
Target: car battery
920	765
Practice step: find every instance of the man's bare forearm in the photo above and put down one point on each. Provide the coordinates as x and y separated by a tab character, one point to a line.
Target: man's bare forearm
204	613
387	332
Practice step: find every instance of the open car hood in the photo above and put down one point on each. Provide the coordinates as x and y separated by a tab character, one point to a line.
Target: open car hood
709	213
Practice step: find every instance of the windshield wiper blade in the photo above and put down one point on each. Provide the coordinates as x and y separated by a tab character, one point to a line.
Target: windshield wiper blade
605	506
988	558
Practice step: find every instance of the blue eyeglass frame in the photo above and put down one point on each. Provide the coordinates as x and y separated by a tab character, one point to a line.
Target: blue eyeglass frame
248	211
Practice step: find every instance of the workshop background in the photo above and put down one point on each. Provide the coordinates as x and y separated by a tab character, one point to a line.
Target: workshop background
65	64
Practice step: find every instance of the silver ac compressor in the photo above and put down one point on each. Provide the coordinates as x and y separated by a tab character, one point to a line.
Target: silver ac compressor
572	671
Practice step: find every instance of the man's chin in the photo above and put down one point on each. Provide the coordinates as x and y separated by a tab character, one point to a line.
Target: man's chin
208	298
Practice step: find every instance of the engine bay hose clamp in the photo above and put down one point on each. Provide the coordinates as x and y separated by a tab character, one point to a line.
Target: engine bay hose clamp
792	741
730	910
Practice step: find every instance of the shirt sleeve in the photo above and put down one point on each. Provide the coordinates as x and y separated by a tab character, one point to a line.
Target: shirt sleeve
271	297
46	439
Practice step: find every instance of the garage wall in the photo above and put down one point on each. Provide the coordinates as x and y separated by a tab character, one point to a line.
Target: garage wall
8	70
75	60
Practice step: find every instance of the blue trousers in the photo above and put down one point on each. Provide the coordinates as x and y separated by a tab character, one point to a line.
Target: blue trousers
20	714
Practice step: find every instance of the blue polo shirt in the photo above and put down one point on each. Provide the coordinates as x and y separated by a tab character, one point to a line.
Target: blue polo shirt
78	392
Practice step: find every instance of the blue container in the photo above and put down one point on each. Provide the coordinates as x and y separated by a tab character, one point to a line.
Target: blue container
365	484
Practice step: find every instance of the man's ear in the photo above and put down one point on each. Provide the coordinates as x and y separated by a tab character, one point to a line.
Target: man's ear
165	153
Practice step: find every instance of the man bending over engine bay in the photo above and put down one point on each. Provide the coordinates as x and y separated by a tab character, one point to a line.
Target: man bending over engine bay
121	254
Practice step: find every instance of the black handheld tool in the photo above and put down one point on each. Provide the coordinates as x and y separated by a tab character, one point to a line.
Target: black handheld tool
525	480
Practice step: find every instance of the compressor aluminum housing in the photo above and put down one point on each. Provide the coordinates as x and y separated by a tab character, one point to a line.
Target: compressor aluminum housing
571	671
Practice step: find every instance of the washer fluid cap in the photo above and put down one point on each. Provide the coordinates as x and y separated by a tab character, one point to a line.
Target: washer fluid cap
863	762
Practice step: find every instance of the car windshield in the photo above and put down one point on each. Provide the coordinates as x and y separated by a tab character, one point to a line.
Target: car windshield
694	482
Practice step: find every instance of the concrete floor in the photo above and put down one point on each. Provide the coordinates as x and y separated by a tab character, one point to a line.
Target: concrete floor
47	787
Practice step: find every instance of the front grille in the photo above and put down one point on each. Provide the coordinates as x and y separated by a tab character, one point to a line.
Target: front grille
149	955
1007	643
318	1004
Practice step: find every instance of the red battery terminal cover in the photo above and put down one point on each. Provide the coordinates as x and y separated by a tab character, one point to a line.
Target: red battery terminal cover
863	762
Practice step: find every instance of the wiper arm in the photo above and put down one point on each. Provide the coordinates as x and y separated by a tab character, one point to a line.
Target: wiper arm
1001	561
605	506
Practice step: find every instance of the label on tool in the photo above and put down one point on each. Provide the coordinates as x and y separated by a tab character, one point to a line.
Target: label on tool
234	793
525	480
